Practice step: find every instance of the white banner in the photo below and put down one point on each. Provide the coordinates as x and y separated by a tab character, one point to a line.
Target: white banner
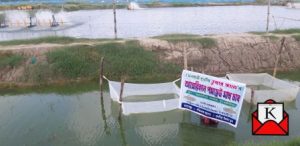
212	97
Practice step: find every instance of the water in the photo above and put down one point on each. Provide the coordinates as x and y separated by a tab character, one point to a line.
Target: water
158	21
74	118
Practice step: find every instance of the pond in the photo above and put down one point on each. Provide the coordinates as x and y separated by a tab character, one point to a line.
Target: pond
155	21
74	118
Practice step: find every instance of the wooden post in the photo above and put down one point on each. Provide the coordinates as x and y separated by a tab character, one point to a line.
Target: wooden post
185	63
278	56
252	96
268	16
115	19
251	104
120	97
122	89
101	76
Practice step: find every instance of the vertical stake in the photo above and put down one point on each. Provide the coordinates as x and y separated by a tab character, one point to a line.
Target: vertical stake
268	16
115	19
101	76
122	89
278	56
185	64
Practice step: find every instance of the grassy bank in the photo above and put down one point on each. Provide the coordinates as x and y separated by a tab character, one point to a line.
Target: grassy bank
206	42
275	35
51	40
10	60
279	31
127	59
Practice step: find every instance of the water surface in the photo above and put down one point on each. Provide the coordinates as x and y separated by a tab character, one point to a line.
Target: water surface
83	118
158	21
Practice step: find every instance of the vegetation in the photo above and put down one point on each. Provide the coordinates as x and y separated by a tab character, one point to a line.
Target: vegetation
271	37
293	142
10	60
206	42
49	39
121	59
297	37
287	31
290	75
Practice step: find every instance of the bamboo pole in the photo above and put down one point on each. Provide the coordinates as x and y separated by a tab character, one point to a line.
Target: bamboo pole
122	89
185	63
115	19
101	76
278	56
268	16
251	103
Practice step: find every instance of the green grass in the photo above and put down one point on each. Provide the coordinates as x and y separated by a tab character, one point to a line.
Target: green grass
271	37
10	60
257	32
296	37
292	142
50	39
121	59
290	75
190	38
287	31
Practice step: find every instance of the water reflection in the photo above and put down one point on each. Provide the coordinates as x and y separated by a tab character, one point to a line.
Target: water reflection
76	119
201	135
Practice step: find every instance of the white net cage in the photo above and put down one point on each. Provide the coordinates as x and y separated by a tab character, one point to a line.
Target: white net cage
143	92
266	87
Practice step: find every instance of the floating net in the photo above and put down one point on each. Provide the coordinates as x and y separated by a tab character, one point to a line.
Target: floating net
266	87
146	96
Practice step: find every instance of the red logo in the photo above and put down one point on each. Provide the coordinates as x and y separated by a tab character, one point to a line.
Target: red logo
270	119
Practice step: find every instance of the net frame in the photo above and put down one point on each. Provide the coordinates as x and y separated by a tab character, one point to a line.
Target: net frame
282	91
133	89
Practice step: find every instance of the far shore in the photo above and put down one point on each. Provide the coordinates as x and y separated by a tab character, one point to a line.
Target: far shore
89	6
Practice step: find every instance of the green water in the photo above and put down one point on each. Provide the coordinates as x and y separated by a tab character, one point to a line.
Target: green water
81	118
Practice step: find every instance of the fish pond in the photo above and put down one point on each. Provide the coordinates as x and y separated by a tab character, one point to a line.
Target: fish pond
76	115
148	22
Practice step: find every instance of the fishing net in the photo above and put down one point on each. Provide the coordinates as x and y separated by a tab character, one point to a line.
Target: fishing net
266	87
145	98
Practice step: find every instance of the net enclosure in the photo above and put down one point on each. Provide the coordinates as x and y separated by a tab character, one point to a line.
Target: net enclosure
265	87
135	97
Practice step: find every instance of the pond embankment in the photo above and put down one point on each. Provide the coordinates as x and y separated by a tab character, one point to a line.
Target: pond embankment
221	54
60	59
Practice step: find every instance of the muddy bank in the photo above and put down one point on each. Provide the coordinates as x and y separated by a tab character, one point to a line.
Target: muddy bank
232	53
145	59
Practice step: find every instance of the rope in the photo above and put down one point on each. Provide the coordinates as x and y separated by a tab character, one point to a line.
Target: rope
287	18
104	77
